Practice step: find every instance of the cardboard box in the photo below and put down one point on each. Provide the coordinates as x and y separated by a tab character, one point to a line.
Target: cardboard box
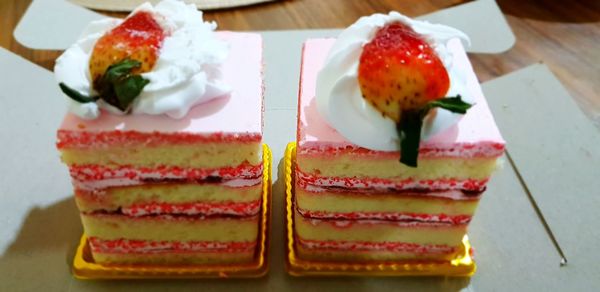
542	206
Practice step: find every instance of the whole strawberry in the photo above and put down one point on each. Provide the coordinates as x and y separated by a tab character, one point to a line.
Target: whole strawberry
402	77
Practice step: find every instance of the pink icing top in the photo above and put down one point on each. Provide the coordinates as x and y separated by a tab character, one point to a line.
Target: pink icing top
475	133
240	113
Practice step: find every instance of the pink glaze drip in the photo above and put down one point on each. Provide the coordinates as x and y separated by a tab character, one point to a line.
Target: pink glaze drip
91	177
377	246
380	183
125	246
229	208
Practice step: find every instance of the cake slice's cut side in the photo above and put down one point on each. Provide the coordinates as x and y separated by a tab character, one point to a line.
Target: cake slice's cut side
185	155
171	228
123	251
454	207
379	231
173	198
95	177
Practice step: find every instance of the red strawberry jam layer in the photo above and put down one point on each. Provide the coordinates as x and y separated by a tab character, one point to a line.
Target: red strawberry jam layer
83	140
377	246
208	209
90	177
380	183
125	246
405	217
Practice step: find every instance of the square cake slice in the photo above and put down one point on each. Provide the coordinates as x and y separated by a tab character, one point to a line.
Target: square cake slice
152	189
358	204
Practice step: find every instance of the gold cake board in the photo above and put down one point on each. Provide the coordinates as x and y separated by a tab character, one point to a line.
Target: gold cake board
463	265
84	266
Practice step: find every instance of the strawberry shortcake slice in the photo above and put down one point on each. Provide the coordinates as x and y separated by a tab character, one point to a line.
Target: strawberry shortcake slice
395	143
163	138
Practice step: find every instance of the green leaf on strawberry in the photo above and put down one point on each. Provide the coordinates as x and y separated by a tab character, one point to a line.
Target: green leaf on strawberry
409	128
75	95
127	89
454	104
117	86
136	43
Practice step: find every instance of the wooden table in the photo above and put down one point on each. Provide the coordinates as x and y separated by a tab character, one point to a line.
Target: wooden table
564	36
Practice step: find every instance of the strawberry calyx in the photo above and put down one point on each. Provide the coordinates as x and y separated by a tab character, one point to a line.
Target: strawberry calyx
411	123
117	86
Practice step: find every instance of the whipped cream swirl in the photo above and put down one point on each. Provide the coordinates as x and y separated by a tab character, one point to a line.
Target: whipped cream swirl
338	94
187	72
